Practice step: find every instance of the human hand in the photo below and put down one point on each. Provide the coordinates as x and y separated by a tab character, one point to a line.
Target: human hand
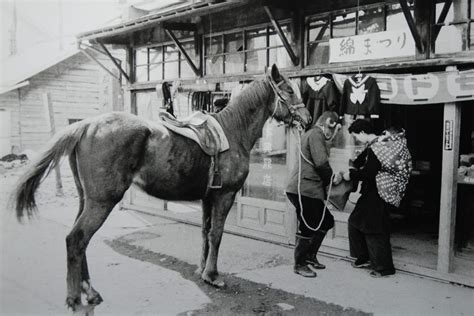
337	179
346	175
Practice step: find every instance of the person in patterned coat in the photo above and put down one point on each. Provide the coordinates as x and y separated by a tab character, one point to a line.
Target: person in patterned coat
384	168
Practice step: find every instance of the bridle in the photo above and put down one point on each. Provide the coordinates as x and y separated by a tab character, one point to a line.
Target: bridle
283	97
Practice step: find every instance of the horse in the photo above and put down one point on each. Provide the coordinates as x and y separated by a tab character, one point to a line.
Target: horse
110	152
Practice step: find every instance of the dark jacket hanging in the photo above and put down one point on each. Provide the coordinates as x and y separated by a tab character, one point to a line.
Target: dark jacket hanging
320	95
361	96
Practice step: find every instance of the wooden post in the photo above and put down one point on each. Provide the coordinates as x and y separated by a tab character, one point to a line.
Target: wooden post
48	108
447	214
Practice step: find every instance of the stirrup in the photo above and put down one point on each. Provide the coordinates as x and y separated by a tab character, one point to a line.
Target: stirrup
216	181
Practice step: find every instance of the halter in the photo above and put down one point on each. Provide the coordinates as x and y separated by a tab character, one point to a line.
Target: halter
283	97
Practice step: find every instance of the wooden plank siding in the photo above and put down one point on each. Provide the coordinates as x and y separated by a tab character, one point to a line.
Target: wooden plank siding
78	87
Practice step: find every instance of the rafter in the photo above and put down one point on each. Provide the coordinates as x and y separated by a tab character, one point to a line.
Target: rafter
412	26
294	59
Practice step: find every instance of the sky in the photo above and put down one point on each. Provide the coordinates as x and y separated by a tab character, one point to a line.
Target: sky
39	21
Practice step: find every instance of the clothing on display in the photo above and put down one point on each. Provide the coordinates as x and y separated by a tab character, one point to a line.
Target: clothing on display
167	98
361	96
320	94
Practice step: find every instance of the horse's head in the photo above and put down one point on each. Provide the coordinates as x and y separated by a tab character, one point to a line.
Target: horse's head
288	106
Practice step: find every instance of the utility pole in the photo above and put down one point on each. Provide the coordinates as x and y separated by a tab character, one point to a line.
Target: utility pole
13	42
61	26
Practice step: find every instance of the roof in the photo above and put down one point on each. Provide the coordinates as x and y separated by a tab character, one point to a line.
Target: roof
165	14
15	70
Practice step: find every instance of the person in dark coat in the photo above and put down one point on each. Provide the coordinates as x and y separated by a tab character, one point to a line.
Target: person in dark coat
384	168
306	190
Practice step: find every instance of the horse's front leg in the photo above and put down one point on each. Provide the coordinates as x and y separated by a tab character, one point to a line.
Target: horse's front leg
222	203
206	226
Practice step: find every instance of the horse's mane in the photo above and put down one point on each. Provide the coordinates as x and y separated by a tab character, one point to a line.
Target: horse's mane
239	113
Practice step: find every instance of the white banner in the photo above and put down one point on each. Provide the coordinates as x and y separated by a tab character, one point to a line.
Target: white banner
429	88
387	44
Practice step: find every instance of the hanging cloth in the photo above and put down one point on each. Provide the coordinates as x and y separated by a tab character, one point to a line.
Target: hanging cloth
167	98
395	159
320	95
361	96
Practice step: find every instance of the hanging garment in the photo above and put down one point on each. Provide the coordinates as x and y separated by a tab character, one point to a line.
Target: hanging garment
361	96
320	95
167	98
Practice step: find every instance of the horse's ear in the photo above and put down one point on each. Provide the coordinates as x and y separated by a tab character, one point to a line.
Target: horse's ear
275	73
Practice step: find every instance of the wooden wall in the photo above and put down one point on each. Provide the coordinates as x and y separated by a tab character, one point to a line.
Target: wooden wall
78	88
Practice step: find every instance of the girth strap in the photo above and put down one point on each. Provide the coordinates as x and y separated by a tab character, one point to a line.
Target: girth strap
215	179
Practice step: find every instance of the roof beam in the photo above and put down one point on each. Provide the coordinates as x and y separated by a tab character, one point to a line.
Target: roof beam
412	26
112	58
294	59
178	44
441	19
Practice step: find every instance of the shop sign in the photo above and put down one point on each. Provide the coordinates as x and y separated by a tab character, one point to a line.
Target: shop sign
448	134
388	44
436	87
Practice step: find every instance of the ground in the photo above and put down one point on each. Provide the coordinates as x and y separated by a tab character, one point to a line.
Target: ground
118	265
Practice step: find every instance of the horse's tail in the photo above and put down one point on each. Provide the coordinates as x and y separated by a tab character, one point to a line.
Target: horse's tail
63	144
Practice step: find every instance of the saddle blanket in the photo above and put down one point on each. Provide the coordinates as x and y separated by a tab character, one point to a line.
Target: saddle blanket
200	127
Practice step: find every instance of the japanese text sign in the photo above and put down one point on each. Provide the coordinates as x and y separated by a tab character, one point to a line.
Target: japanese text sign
429	88
387	44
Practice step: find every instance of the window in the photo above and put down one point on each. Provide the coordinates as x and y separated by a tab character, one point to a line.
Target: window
245	51
456	33
370	19
318	41
164	62
268	170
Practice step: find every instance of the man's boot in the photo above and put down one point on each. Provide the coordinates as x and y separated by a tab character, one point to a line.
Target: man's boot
315	244
302	247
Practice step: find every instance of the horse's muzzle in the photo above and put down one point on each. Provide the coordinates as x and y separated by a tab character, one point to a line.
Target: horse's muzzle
301	115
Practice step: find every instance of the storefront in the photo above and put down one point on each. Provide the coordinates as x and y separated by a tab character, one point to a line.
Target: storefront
207	51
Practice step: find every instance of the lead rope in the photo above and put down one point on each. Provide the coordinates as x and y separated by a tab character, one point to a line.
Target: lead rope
298	131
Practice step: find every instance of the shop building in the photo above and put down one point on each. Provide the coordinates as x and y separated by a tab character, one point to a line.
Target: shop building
421	55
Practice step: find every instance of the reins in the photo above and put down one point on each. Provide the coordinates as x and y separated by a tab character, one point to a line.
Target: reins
298	132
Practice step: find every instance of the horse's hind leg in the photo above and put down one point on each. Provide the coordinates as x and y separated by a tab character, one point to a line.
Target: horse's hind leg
206	226
222	204
92	296
90	220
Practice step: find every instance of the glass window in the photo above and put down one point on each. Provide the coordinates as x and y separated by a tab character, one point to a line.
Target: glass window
319	31
318	53
268	170
141	56
156	72
257	39
213	45
472	36
214	65
234	42
171	53
371	20
148	105
234	63
171	70
344	25
141	73
156	55
186	70
280	57
450	39
256	60
396	19
275	39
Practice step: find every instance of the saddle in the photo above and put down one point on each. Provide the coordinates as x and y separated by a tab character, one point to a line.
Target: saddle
207	133
200	127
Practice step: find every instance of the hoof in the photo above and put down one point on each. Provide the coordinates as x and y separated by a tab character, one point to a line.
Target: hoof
96	300
73	303
216	282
